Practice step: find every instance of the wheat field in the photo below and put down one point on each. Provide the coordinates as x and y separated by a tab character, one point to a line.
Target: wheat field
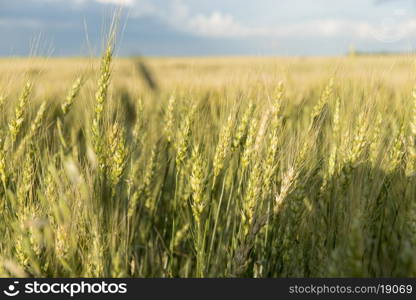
208	167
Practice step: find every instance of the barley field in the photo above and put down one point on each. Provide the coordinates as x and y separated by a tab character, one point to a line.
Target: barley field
208	167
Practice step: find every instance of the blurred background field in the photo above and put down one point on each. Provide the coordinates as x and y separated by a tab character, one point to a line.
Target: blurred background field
215	73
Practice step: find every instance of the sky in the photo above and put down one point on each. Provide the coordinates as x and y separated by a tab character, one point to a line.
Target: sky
208	27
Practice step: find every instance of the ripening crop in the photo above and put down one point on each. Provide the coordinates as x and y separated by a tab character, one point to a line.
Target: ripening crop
208	167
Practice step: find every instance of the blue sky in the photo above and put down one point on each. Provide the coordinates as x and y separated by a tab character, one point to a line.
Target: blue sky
209	27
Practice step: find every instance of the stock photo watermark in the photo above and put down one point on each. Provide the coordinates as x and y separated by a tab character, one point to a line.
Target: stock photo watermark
63	288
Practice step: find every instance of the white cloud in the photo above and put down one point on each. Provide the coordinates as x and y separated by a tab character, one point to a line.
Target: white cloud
118	2
383	31
224	25
218	25
182	17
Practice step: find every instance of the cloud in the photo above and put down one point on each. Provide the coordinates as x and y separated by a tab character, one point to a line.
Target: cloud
81	2
386	30
218	25
379	2
118	2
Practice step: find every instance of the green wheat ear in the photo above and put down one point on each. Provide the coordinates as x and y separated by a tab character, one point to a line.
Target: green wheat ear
169	119
241	131
117	153
198	204
183	138
73	93
16	124
223	146
100	100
